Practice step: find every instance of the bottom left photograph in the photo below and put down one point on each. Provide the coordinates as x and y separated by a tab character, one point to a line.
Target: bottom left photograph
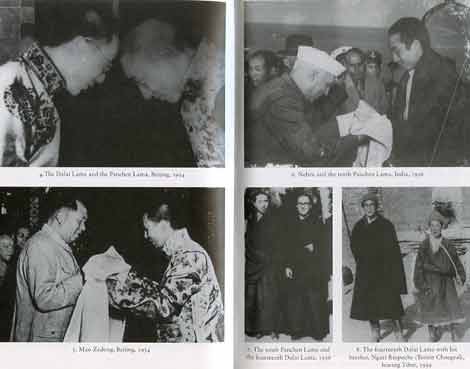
112	264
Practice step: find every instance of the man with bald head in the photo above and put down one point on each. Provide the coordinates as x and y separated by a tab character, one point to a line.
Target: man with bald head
48	276
278	127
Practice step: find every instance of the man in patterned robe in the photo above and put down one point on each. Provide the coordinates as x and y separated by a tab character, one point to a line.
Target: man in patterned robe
186	304
30	126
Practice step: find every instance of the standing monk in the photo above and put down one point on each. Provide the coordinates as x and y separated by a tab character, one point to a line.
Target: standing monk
262	311
380	276
307	266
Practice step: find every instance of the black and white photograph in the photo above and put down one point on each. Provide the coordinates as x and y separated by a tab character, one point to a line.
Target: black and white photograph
363	83
288	264
112	83
406	263
112	265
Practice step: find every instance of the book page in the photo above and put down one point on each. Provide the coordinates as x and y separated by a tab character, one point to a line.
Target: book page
358	108
117	182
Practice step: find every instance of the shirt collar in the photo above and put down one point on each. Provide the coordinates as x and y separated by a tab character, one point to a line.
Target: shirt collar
368	221
44	68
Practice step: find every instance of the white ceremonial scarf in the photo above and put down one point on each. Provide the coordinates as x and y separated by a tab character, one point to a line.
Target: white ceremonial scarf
90	320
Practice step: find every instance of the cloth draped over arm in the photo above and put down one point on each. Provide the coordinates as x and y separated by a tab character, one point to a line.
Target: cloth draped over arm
90	320
188	296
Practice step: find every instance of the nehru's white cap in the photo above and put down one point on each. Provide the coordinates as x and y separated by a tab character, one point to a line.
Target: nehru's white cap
320	59
340	51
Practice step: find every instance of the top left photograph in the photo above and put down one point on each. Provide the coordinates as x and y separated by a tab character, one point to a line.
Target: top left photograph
112	83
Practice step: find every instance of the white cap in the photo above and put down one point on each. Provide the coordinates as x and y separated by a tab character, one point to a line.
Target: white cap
320	59
339	51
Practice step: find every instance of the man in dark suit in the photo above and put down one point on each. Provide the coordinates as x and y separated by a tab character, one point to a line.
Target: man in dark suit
425	92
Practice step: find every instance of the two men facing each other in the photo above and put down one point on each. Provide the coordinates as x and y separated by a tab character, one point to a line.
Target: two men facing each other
184	306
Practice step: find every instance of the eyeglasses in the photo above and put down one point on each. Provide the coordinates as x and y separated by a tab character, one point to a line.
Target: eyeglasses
107	61
303	203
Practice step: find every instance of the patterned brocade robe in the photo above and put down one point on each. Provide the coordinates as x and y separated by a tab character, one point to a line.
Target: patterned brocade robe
202	105
29	121
187	303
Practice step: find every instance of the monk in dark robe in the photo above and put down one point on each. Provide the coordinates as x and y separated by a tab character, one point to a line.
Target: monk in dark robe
380	276
262	312
307	269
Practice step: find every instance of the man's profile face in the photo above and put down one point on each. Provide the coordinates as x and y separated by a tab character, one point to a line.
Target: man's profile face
156	232
355	66
370	208
96	59
404	56
261	203
73	222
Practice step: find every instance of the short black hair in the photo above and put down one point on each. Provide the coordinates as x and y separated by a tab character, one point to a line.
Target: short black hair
410	29
256	192
58	22
57	200
271	60
315	201
356	50
159	213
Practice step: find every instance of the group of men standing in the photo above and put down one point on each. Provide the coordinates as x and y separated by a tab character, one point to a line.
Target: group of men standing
293	119
287	272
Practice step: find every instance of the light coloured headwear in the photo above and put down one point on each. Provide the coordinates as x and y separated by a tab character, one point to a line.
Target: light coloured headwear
340	51
435	215
320	59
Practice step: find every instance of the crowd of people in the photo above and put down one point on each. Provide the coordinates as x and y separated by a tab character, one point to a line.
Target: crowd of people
288	265
47	296
152	60
307	107
380	277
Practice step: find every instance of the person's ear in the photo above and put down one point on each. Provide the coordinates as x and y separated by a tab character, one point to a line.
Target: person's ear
415	45
61	216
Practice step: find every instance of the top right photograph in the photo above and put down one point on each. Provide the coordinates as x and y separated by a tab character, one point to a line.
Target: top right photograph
363	83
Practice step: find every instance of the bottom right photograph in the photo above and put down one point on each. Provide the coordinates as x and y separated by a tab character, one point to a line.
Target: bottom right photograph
406	264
